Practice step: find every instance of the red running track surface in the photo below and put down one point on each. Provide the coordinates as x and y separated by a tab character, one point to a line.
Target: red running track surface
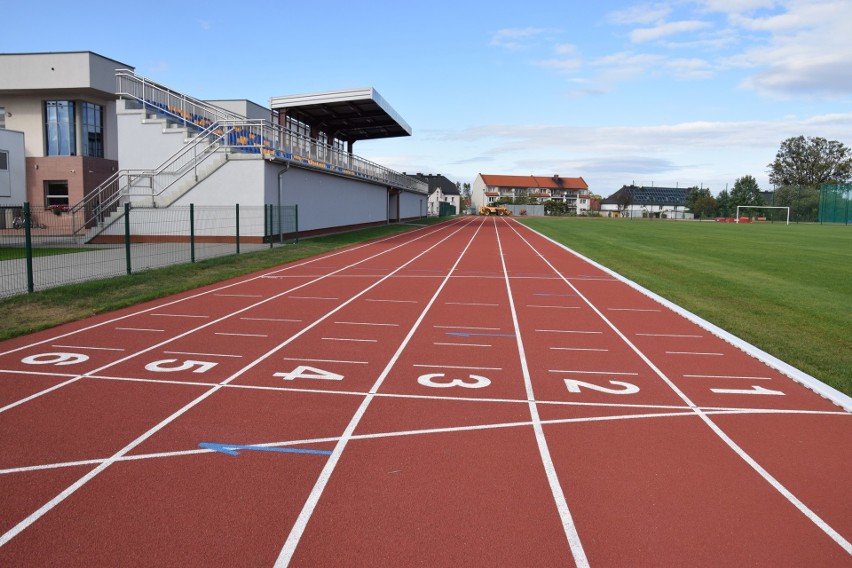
466	394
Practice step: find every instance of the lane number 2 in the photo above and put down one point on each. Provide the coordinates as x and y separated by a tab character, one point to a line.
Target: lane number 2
625	388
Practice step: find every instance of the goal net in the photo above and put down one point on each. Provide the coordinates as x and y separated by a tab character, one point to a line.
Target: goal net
763	214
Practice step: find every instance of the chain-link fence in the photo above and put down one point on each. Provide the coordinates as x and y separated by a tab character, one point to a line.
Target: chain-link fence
40	249
834	203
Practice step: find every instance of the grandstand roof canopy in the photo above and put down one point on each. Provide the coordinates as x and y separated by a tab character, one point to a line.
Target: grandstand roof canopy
356	114
544	182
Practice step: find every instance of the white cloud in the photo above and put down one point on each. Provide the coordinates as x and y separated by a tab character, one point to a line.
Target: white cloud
689	153
808	52
518	38
690	68
664	29
640	14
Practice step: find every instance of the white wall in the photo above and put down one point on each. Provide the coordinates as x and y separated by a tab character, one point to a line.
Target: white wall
144	146
326	200
412	205
13	181
477	193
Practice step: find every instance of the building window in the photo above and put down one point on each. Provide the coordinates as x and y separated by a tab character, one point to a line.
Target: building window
93	130
2	117
56	193
4	161
61	134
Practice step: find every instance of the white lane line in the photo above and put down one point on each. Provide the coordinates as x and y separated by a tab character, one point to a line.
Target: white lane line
272	319
470	304
568	331
88	347
577	349
350	339
553	307
684	335
632	310
367	323
692	353
795	501
311	298
51	504
440	366
238	295
138	329
240	334
394	301
200	354
463	344
307	511
466	327
750	378
324	360
559	499
560	371
180	316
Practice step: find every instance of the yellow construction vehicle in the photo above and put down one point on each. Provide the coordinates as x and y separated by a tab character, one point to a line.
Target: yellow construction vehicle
494	210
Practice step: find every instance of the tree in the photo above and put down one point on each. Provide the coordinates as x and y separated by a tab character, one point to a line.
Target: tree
464	191
704	207
802	201
694	194
553	207
624	199
745	192
809	162
723	204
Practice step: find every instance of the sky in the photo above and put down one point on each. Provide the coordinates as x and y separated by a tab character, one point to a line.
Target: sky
671	93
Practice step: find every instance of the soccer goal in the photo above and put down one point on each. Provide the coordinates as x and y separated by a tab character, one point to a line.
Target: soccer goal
761	207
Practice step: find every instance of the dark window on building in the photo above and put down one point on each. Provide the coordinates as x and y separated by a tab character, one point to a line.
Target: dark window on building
93	130
56	193
60	131
4	161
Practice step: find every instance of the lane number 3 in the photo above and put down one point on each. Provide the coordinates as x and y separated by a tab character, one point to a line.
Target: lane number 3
473	381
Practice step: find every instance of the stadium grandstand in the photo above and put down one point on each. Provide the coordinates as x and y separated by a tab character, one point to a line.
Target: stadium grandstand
98	136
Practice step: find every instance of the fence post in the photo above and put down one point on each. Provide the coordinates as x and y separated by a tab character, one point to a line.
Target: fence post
238	227
271	228
28	241
296	221
192	232
127	236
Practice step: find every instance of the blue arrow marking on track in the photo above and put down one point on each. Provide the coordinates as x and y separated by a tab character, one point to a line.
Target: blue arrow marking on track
231	449
466	334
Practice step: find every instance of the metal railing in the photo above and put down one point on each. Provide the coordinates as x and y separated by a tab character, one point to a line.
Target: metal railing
217	130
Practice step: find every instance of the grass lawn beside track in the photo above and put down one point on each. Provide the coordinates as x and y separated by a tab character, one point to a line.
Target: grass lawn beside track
785	289
29	313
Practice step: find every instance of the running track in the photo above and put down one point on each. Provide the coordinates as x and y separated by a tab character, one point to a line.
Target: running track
467	394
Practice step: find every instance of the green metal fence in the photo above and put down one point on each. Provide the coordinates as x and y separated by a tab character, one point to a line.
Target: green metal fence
834	203
39	250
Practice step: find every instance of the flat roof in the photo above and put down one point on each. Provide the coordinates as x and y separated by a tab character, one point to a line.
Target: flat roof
355	114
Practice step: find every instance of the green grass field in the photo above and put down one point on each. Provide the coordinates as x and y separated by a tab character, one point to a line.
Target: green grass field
11	253
785	289
34	312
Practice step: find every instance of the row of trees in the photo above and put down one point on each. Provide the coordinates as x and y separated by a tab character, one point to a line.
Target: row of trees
800	167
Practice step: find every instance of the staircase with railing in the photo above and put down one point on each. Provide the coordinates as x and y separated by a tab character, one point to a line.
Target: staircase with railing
216	133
